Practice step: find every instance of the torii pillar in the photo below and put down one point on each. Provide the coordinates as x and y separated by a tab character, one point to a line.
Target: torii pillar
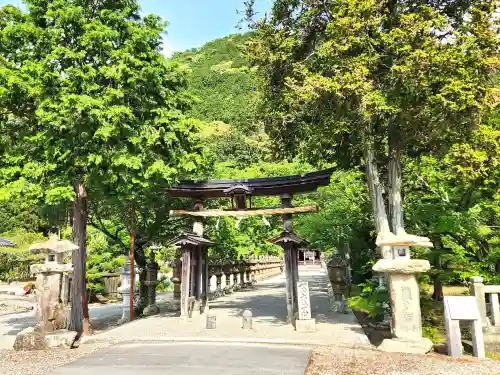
194	275
290	243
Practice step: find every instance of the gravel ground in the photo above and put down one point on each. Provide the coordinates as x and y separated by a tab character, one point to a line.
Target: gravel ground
342	361
44	361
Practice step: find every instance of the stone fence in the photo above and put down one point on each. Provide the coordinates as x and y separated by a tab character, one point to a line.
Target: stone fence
490	312
225	277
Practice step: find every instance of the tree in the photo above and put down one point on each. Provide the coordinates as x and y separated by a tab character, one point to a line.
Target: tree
367	82
90	105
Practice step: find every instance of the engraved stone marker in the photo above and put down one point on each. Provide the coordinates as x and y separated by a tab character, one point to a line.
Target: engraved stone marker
458	308
303	300
304	323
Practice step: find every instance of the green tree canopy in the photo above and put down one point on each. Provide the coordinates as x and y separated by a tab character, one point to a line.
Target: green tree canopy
90	106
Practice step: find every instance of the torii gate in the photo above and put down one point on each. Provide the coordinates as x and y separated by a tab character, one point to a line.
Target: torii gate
194	246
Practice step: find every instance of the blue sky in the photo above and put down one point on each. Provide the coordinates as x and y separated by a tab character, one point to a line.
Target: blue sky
193	22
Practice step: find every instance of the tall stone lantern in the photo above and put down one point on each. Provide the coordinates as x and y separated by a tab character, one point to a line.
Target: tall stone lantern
52	283
52	298
404	292
337	273
151	282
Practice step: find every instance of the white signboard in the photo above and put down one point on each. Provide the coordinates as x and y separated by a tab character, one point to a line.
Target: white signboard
462	307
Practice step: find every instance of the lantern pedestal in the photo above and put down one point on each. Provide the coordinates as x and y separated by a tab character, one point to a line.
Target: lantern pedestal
405	301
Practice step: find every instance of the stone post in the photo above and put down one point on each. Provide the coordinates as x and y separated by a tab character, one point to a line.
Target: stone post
476	288
304	323
124	290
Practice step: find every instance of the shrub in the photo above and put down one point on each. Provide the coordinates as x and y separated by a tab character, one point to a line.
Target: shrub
373	300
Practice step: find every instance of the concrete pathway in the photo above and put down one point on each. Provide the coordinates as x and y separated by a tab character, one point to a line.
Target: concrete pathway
191	358
266	300
13	323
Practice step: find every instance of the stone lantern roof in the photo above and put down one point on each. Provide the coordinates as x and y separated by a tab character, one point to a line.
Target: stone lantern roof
403	239
53	246
337	260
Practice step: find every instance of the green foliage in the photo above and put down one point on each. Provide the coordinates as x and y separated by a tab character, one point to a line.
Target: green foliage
101	258
343	221
15	262
339	76
372	300
432	318
223	83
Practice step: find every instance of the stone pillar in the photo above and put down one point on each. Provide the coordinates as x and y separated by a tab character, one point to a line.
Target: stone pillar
304	323
405	302
124	290
50	288
476	288
151	282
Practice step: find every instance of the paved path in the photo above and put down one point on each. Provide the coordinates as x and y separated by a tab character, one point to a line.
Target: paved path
191	358
266	300
12	324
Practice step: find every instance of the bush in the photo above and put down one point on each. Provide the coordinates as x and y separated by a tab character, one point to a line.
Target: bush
15	262
373	300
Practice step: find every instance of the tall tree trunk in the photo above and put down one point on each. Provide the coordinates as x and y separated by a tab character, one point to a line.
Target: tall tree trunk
376	195
79	316
395	179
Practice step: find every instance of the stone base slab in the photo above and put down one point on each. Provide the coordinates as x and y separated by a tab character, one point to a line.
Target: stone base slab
151	310
417	346
305	325
29	339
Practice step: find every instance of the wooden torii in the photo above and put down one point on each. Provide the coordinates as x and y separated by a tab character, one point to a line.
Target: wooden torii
194	246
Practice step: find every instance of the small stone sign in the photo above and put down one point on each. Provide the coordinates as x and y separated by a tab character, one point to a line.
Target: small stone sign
303	300
458	308
462	307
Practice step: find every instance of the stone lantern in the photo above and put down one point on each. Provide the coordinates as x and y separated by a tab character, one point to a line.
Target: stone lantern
52	283
151	282
404	292
52	298
337	273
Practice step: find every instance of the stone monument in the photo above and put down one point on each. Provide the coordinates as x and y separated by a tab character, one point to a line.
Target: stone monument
404	293
304	323
52	298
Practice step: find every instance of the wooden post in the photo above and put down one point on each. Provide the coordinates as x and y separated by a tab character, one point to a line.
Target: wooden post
295	276
289	282
199	273
205	278
192	278
186	277
286	202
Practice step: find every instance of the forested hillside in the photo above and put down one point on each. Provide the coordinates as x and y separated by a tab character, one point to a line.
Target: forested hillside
223	83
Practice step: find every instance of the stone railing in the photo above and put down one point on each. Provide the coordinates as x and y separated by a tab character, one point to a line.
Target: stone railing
490	312
227	277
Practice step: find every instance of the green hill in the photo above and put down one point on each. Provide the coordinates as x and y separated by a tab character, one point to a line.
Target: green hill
222	81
